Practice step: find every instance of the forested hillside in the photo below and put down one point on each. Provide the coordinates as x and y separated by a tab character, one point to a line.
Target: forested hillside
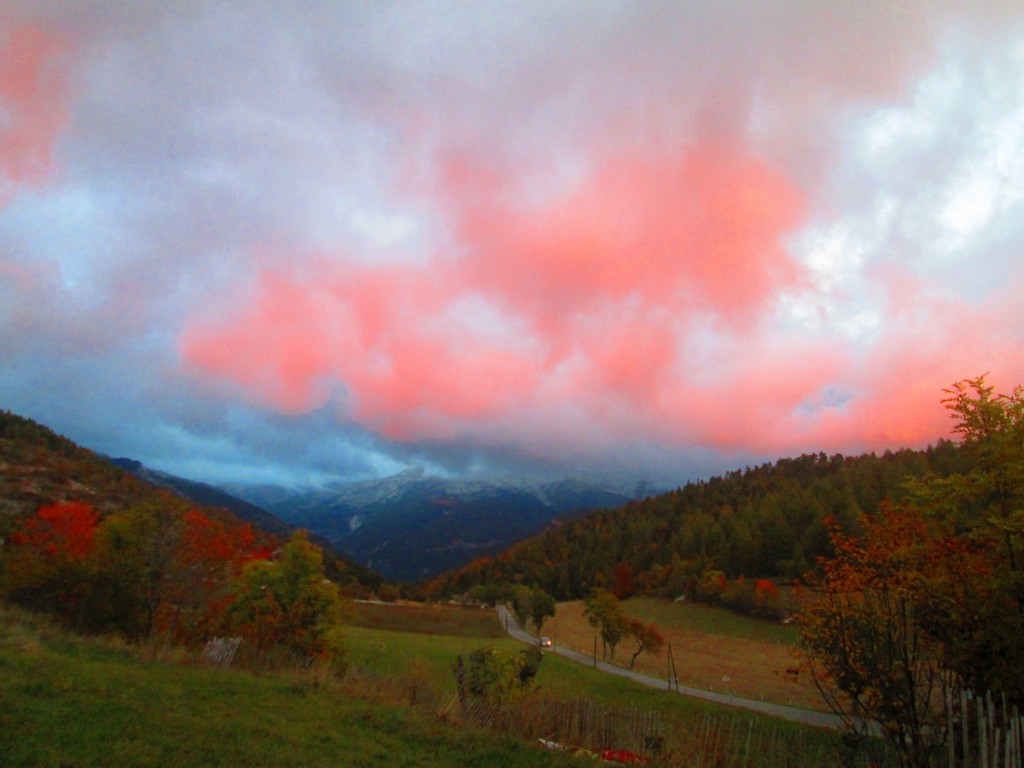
766	521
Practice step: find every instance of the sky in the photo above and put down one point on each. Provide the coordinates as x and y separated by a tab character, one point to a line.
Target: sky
296	242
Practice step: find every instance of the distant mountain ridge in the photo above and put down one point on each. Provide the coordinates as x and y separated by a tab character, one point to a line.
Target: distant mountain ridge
414	526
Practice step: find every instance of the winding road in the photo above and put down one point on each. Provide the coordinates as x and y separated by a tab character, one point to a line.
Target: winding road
796	714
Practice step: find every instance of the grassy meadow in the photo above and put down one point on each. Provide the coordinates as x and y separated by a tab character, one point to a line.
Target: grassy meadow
70	702
708	619
67	702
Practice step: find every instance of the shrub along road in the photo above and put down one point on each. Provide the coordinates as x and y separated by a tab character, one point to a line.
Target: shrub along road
795	714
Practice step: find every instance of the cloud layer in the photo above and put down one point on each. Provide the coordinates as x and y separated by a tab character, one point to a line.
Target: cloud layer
660	239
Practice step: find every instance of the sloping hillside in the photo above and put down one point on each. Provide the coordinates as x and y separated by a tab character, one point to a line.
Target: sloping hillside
38	467
205	495
767	521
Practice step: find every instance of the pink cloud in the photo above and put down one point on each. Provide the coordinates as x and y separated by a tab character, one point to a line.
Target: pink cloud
379	335
697	228
892	392
598	286
33	105
637	304
935	341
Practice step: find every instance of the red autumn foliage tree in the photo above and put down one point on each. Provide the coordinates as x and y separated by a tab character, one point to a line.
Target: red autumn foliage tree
864	647
647	637
208	559
150	569
64	530
765	590
215	546
49	564
624	582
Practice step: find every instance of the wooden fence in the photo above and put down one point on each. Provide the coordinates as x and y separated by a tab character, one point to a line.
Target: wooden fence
984	734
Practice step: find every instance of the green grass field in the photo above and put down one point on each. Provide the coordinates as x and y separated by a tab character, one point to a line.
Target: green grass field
69	702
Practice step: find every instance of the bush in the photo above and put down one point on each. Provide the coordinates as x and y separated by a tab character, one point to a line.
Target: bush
487	674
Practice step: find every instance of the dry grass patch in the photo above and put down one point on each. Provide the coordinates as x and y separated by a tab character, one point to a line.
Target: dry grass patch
752	669
427	619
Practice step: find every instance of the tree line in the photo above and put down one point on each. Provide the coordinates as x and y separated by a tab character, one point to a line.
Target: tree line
713	539
151	572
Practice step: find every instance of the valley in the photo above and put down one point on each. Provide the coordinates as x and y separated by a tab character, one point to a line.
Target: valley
698	580
413	526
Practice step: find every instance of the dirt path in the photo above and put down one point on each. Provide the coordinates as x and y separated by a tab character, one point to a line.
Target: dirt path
796	714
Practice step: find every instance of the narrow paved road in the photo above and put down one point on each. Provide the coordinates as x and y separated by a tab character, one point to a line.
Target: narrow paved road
808	716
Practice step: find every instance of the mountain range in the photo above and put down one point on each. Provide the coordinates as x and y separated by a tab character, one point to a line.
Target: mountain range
414	526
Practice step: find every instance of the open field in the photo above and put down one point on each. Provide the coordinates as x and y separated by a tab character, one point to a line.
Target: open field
388	652
713	649
70	702
426	656
392	651
698	617
67	701
708	643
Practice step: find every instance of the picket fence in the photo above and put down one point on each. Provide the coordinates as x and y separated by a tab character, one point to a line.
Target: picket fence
996	732
220	651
